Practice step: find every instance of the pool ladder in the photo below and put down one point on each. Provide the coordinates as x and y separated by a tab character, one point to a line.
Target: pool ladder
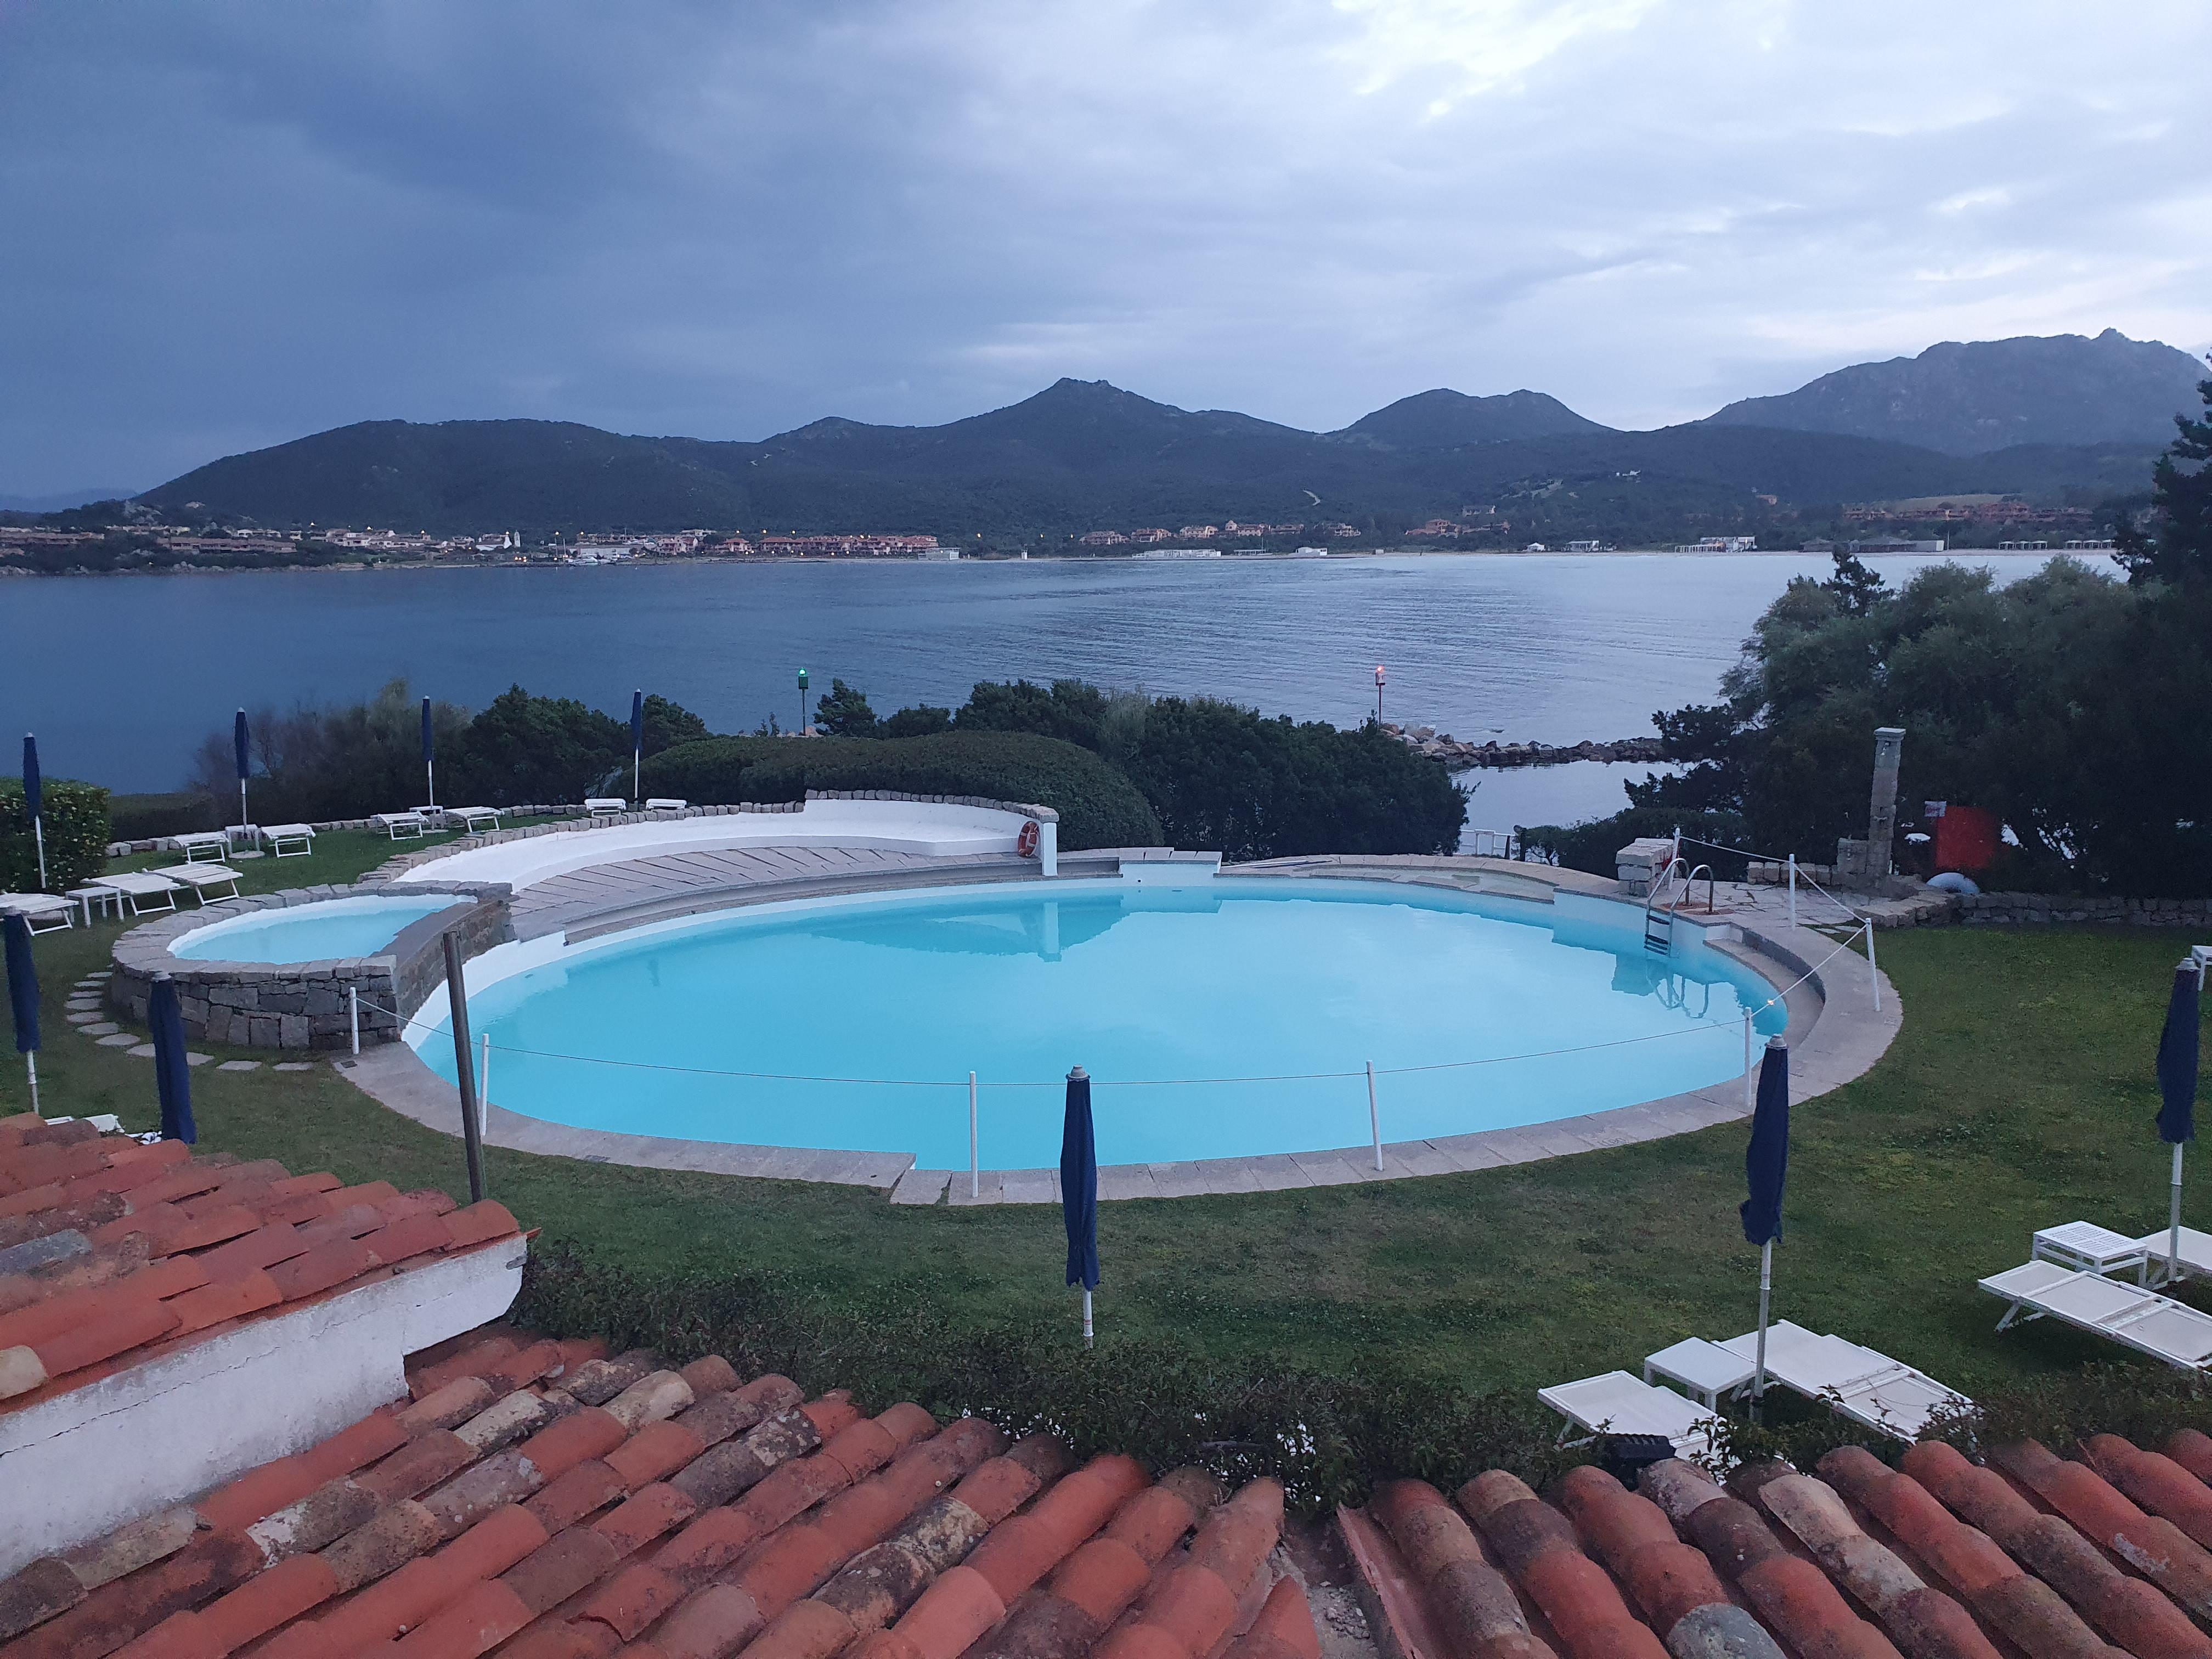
1658	924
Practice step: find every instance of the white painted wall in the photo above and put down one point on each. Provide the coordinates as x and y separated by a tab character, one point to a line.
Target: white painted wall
77	1466
919	827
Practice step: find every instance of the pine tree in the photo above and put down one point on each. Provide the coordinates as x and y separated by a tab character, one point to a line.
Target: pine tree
2177	549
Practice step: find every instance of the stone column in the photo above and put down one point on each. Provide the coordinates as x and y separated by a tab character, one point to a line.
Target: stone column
1882	808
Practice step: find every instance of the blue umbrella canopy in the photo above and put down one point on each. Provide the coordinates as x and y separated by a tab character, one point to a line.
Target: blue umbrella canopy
636	720
2177	1061
172	1078
1079	1184
429	749
238	748
34	791
1766	1160
22	984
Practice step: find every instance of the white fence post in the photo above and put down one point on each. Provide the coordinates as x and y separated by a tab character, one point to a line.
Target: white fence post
975	1156
353	1016
484	1088
1747	1080
1793	889
1873	974
1374	1117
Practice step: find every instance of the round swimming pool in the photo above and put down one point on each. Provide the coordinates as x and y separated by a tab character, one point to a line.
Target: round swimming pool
326	929
1230	1018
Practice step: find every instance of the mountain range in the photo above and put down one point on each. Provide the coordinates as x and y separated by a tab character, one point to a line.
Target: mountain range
2067	416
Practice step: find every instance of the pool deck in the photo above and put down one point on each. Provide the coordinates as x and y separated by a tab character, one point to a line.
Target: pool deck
1835	1031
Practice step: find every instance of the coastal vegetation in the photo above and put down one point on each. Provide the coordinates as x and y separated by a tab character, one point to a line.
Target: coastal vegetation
73	819
2077	708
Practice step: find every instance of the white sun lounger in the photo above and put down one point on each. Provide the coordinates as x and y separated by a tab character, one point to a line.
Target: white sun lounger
605	806
139	887
2127	1313
1618	1403
300	837
401	826
472	817
1862	1384
2196	1257
42	913
209	844
665	804
200	877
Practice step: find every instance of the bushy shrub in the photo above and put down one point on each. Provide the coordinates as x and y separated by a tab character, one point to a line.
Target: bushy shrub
1591	845
140	817
1327	1438
1097	806
75	818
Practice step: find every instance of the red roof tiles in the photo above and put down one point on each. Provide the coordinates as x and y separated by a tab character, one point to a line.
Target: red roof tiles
551	1503
124	1250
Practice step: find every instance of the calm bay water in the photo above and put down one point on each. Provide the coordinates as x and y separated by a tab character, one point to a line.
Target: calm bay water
122	677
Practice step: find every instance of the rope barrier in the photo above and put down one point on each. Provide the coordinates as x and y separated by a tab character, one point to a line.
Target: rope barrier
1102	1083
1803	879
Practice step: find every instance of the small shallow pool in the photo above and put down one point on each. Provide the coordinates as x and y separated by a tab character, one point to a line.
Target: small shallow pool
1230	1018
328	928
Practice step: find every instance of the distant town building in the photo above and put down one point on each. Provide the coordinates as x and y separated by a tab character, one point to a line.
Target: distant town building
1198	533
1103	539
1335	531
836	547
1151	537
1721	545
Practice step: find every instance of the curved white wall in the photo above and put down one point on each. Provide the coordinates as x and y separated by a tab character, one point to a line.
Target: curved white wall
919	827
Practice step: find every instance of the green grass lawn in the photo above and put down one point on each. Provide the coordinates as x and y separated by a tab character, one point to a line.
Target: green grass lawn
2020	1094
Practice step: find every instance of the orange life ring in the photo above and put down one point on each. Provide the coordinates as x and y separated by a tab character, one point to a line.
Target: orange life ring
1026	842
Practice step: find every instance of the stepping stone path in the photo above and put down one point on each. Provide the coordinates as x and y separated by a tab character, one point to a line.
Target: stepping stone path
119	1040
143	1051
103	1028
192	1059
82	1017
293	1066
239	1065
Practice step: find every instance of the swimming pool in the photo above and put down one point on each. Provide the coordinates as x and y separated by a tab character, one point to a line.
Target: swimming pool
858	1019
327	928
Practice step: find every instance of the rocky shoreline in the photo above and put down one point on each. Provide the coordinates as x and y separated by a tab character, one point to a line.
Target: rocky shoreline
1460	755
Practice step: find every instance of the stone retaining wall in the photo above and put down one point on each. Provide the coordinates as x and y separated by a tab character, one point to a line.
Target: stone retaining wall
2038	909
302	1004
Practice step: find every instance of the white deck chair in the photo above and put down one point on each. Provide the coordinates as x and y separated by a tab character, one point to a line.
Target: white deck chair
138	888
1862	1384
1618	1403
300	837
211	844
472	816
401	826
200	877
2196	1258
42	913
665	804
605	806
2127	1313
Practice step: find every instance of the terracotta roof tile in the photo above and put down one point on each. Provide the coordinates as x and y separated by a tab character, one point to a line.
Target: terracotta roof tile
2154	1546
485	1616
2156	1482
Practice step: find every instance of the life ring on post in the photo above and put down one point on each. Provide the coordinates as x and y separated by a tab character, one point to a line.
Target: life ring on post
1026	842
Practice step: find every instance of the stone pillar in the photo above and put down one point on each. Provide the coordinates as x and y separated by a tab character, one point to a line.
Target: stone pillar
1881	808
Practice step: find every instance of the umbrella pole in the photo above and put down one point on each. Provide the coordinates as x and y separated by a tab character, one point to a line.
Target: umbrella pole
2173	1227
1086	1319
1765	1292
241	800
30	1065
430	780
38	835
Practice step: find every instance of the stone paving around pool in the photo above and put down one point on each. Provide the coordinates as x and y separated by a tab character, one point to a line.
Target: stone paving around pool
1835	1033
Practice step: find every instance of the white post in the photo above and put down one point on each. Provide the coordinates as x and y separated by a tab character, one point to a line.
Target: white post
242	819
484	1088
1765	1290
975	1158
2173	1231
1374	1117
38	835
1086	1319
430	780
1048	849
637	768
31	1064
353	1016
1747	1074
1873	974
1793	889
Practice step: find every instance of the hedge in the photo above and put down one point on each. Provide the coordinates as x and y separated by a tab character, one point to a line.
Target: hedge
1097	806
1591	845
1328	1438
76	834
142	818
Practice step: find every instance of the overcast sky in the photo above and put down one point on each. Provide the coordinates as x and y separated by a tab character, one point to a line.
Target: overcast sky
230	224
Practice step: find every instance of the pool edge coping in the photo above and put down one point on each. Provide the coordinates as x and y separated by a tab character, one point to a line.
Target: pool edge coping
1843	1036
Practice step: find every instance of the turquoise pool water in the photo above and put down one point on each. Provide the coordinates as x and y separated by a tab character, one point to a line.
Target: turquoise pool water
310	932
1171	988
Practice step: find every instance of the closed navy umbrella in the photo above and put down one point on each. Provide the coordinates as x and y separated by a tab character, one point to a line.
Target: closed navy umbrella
637	742
172	1078
429	758
34	802
1766	1171
1079	1191
2176	1088
239	750
23	997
